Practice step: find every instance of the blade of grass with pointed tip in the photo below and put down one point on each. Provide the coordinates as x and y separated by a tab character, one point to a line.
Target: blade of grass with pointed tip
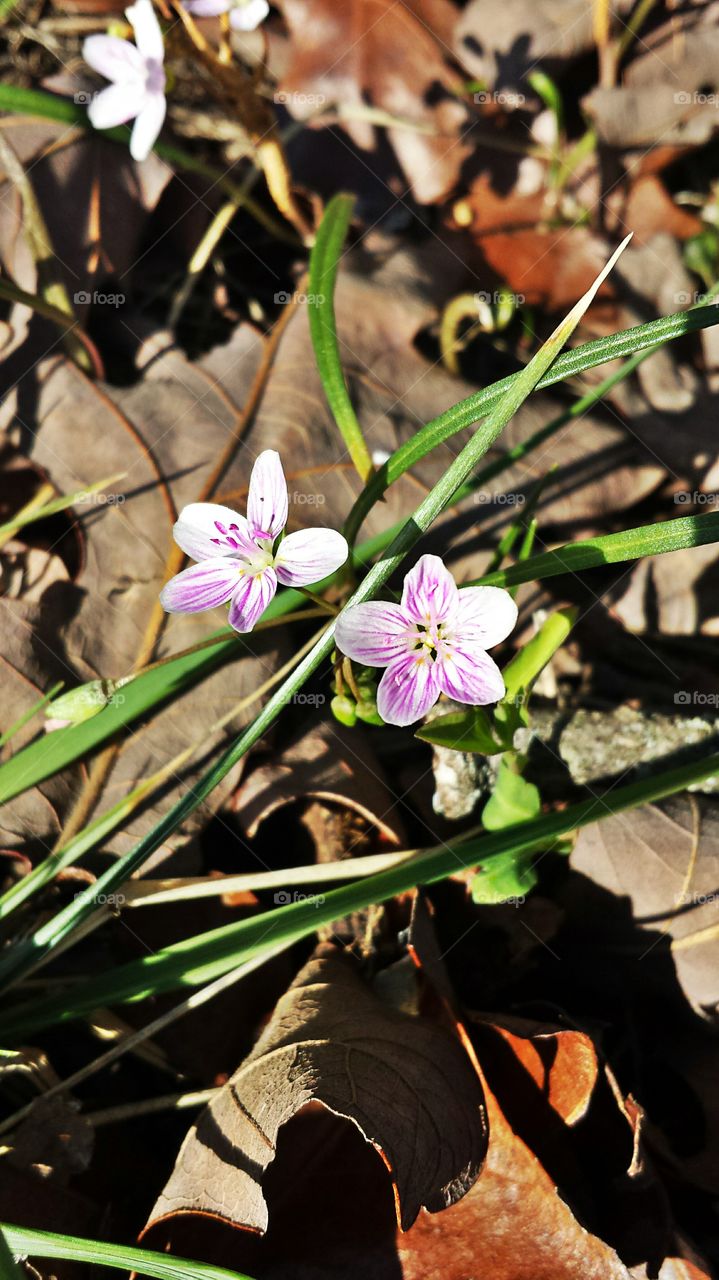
610	548
639	342
194	961
24	1241
324	262
25	954
41	759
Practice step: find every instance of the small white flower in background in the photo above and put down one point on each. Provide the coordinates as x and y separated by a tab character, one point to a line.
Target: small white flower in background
137	91
239	560
245	15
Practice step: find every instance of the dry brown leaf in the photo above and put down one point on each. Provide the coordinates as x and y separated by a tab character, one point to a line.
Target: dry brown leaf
394	57
404	1082
325	762
665	859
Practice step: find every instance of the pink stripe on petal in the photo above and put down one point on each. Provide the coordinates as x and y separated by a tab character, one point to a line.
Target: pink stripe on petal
430	592
471	677
267	498
251	598
199	531
407	689
202	586
113	58
310	555
486	616
375	633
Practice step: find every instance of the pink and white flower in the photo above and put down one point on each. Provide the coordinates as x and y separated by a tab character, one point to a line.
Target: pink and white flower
434	642
137	72
245	15
240	559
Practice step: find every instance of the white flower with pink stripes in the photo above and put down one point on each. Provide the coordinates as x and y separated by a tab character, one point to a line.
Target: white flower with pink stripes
433	642
241	560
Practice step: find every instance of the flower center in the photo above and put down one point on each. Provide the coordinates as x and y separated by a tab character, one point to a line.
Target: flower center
431	641
232	537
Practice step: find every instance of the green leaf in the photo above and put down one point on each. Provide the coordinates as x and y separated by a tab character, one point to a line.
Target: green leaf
610	548
506	880
324	262
512	800
46	1244
641	340
194	961
522	671
25	954
468	730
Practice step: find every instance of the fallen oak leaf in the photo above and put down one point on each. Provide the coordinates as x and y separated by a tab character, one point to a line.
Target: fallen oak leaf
405	1083
393	57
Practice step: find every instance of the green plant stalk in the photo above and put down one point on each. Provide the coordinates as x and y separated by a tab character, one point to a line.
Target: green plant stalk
629	342
61	503
27	953
46	1244
610	548
324	263
31	711
9	1268
197	960
41	759
523	670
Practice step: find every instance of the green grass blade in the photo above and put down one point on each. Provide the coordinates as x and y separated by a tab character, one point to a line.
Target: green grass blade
324	262
642	339
43	758
24	1241
610	548
194	961
24	955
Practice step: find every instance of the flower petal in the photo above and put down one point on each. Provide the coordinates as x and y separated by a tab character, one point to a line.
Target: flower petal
267	498
486	615
309	555
116	59
375	633
206	530
206	8
408	689
430	592
147	126
148	36
248	16
471	677
115	105
202	586
251	598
